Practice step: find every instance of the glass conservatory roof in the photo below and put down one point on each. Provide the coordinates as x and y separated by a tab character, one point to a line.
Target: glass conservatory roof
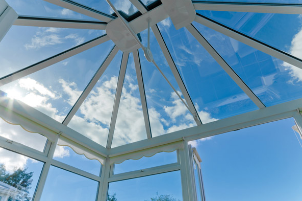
232	58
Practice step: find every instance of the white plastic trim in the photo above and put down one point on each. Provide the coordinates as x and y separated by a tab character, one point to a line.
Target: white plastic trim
79	149
7	18
147	152
27	124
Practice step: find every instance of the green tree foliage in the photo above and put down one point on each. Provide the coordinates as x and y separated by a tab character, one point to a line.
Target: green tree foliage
163	198
111	197
19	179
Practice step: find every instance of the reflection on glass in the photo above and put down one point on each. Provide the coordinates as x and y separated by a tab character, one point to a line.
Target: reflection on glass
264	160
18	134
19	176
166	111
44	9
94	116
158	159
286	28
56	93
130	124
271	79
66	155
125	6
62	185
212	90
165	186
38	43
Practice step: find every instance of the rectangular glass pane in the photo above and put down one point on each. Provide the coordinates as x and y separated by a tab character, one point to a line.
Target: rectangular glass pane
258	163
165	186
18	134
62	185
19	176
158	159
66	155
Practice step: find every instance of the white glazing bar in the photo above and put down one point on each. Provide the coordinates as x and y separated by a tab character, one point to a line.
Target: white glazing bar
71	5
59	23
249	41
265	115
90	86
145	172
7	18
103	186
142	92
52	60
117	98
45	171
176	74
225	66
184	171
249	7
22	149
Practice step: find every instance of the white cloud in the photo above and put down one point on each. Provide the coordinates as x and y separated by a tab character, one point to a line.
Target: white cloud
41	41
196	143
295	50
52	30
71	90
67	12
78	40
12	161
166	22
177	109
33	85
61	152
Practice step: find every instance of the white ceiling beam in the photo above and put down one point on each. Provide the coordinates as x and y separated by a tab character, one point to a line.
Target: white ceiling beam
52	60
142	92
265	115
74	6
249	7
225	66
59	23
90	86
117	98
19	108
249	41
176	74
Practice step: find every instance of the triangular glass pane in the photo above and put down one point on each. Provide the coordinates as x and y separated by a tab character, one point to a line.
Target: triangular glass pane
35	44
93	117
130	124
213	91
282	31
40	8
55	89
166	111
271	79
148	2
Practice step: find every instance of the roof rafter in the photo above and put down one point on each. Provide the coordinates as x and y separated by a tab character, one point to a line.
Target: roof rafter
117	98
249	7
142	92
249	41
52	60
176	74
225	66
71	5
59	23
91	84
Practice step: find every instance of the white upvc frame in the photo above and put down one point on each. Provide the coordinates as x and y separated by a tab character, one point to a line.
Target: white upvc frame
7	18
249	7
197	160
184	164
59	23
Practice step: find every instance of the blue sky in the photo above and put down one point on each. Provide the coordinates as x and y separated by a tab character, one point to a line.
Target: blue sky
214	93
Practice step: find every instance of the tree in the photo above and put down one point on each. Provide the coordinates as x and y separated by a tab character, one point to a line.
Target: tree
111	197
163	198
20	179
